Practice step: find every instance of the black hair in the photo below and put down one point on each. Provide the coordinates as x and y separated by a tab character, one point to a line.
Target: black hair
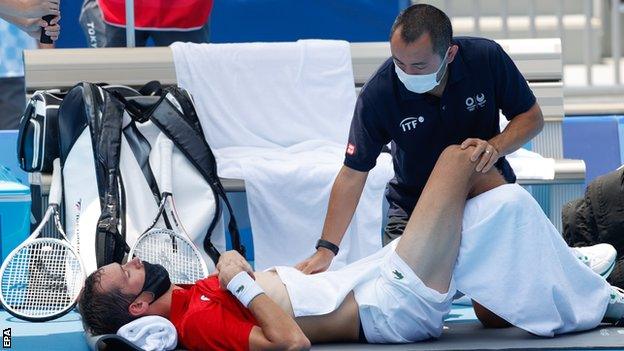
103	312
419	19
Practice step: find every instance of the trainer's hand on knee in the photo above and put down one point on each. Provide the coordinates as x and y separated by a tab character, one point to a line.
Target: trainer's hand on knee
319	262
485	154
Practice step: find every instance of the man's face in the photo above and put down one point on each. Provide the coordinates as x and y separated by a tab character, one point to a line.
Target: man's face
415	58
128	277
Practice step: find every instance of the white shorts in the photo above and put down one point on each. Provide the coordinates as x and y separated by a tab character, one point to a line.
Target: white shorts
397	307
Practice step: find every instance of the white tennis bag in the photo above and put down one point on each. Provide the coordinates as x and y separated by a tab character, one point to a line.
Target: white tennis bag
110	171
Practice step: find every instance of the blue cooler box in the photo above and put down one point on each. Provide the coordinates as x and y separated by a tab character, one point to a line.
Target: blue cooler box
14	212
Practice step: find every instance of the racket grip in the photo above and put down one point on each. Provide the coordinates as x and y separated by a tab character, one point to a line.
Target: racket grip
45	39
56	186
166	155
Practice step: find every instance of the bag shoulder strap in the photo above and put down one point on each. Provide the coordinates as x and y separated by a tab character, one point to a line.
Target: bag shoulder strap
197	150
105	120
188	108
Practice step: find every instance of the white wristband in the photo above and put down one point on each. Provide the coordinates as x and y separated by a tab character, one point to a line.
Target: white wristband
244	288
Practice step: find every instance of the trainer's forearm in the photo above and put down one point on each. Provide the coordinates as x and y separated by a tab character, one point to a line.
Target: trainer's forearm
278	327
343	201
520	130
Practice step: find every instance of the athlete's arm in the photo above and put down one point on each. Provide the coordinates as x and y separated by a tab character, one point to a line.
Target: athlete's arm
277	330
343	201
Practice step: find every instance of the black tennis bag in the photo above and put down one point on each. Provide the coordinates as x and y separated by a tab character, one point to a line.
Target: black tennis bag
110	192
37	141
38	137
599	218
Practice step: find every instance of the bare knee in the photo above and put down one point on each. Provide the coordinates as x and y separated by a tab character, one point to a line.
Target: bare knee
456	155
480	182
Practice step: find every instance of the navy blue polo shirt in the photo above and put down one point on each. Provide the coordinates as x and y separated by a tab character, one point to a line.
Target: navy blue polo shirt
483	80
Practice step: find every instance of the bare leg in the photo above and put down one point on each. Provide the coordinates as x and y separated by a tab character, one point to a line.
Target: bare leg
430	242
488	318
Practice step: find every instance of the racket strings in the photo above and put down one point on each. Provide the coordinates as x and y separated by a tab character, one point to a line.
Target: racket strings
174	253
42	279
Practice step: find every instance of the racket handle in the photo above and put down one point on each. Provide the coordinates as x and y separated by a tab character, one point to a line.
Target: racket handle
56	188
166	155
45	39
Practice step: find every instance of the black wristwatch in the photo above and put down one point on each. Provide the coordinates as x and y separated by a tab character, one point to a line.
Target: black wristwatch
328	245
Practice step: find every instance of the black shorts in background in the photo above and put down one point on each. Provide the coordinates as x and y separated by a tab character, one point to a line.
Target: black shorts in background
394	229
12	101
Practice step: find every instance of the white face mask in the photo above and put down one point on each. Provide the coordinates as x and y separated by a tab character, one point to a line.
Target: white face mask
421	83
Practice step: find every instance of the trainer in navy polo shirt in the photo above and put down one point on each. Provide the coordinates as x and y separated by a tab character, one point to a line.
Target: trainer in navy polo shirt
482	80
435	91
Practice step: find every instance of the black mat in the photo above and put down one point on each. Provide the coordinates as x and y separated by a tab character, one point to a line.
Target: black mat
472	336
459	336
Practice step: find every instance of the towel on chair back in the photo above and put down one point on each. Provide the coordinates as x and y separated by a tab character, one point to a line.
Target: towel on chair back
278	116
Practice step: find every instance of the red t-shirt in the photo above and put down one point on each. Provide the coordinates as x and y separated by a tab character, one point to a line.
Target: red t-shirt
208	317
159	14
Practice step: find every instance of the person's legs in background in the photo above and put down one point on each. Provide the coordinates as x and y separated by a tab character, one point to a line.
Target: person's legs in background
166	38
12	101
116	37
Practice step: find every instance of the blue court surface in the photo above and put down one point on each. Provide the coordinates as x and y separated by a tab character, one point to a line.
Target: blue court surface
461	333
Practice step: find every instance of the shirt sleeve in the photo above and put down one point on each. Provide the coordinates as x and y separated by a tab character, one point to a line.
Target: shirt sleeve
219	329
367	136
513	92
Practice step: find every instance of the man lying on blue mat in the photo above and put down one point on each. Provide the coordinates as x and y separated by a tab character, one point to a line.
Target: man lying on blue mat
498	248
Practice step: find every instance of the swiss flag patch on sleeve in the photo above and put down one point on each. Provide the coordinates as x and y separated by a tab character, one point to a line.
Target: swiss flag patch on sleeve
350	149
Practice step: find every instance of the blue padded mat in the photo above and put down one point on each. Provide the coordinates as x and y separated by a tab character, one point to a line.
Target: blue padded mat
62	334
462	333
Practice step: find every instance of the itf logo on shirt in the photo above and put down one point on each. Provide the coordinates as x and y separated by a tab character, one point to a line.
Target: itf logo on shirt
478	101
410	123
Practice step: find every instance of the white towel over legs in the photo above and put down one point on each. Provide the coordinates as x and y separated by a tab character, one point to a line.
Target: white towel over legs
513	261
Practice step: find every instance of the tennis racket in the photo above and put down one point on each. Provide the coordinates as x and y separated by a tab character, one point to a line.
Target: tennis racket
171	248
42	278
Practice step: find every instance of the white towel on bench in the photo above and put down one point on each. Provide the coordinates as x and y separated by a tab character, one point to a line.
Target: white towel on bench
288	191
277	115
531	165
269	94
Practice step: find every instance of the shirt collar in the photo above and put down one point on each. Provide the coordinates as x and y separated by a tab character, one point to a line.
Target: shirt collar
456	71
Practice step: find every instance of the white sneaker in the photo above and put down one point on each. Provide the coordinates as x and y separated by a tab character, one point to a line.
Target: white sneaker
600	258
615	308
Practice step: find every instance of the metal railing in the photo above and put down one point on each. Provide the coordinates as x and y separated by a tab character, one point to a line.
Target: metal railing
600	17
